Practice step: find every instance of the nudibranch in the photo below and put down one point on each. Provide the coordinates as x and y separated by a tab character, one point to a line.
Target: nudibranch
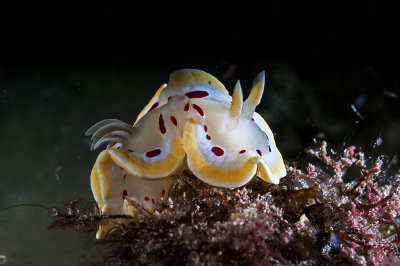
190	124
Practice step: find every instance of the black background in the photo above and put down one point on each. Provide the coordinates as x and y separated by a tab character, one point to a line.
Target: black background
311	35
333	52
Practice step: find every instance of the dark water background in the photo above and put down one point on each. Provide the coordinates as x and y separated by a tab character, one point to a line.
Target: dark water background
60	73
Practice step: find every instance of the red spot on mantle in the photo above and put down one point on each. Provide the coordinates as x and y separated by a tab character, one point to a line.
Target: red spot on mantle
153	153
259	152
146	198
205	128
197	94
173	119
163	193
269	147
198	109
162	125
208	137
154	106
242	151
186	108
217	151
124	194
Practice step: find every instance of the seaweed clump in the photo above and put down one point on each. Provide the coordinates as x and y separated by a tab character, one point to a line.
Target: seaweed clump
311	217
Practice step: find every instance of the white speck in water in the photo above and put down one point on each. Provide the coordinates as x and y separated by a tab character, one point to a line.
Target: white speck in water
390	94
378	142
58	169
357	112
58	178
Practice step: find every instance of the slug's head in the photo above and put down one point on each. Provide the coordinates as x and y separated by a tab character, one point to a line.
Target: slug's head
231	143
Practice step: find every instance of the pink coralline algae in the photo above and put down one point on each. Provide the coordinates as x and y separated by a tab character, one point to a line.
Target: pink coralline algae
314	216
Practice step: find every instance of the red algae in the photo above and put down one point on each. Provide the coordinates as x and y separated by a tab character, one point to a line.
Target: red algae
311	217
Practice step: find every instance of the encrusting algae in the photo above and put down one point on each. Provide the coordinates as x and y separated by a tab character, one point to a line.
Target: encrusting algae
310	217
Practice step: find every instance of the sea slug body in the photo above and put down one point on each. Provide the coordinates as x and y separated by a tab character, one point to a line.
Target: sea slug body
193	119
